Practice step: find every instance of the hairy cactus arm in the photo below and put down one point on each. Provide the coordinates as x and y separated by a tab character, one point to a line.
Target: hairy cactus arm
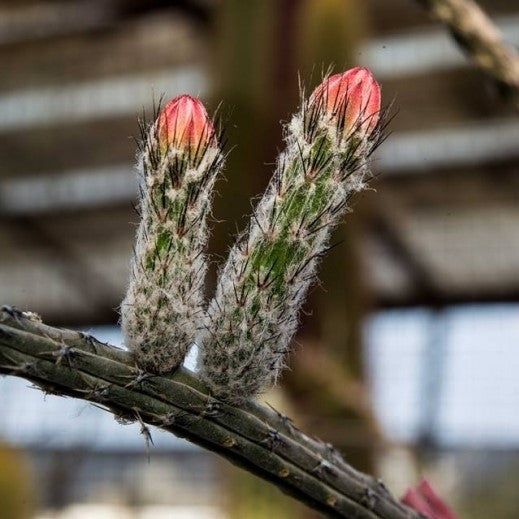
261	288
178	163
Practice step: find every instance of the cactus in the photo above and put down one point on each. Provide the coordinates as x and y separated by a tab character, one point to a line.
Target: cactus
178	163
248	325
261	288
256	437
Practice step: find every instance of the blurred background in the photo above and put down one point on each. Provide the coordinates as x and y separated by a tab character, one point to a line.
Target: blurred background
408	354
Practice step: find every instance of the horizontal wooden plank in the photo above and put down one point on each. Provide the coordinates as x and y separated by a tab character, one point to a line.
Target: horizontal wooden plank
101	99
130	47
449	147
88	144
22	21
475	187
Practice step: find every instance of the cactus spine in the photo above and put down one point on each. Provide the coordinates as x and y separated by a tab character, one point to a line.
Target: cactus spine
261	288
178	163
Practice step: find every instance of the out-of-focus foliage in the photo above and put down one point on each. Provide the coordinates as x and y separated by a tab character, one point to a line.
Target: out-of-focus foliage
16	494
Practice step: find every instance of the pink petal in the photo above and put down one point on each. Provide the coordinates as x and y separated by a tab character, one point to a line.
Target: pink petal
353	95
184	122
441	510
415	501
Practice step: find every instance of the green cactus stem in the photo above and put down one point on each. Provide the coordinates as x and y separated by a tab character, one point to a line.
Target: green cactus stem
261	288
178	164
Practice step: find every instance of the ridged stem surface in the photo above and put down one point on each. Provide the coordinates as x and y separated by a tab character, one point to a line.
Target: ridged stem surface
481	40
252	436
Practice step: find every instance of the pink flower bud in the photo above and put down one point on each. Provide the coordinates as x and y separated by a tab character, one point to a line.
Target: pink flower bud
352	98
424	499
414	500
184	123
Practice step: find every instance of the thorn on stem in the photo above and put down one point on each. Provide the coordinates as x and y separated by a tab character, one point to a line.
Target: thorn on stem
145	431
324	467
213	408
369	498
66	352
273	439
140	377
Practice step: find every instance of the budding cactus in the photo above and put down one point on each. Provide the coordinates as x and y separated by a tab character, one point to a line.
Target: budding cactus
178	164
261	288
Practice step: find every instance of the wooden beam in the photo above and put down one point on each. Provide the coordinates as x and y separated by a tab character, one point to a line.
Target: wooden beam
99	99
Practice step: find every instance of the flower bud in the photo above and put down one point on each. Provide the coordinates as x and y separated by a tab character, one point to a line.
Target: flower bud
424	499
351	99
184	123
